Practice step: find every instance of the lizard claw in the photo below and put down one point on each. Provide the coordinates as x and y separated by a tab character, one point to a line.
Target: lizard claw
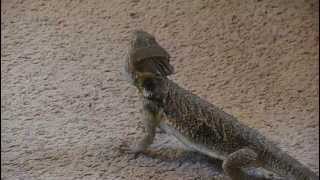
133	153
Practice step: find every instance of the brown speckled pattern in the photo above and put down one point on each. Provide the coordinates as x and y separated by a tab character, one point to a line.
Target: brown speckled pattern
208	126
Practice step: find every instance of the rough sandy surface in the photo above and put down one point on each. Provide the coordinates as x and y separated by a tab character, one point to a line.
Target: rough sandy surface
66	108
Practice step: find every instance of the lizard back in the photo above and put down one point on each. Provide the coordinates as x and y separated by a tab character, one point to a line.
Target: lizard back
193	119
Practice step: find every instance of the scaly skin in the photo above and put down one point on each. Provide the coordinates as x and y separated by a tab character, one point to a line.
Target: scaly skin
197	123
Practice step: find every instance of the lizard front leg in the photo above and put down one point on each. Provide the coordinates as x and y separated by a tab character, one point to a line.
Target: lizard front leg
151	122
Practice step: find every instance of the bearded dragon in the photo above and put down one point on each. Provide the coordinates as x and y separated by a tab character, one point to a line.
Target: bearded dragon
197	123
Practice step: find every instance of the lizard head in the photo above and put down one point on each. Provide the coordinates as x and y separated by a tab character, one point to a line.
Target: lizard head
146	55
142	39
149	85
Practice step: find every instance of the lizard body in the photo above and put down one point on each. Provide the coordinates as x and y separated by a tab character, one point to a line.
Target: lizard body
204	127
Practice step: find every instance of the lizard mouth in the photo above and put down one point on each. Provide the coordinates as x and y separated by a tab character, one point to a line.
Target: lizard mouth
147	94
